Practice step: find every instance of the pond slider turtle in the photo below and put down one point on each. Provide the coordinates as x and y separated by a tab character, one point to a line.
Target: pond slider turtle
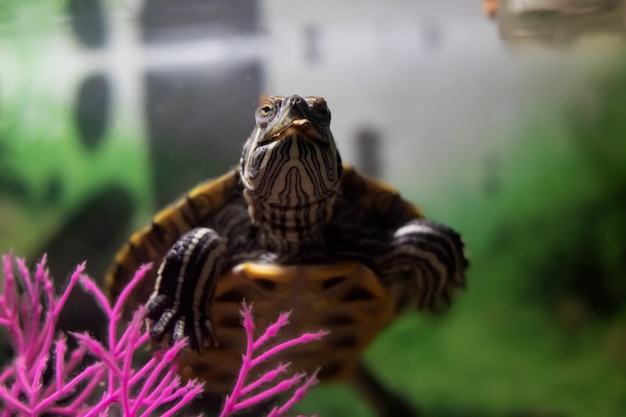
291	228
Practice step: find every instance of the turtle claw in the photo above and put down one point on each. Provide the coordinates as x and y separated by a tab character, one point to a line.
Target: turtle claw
165	326
179	330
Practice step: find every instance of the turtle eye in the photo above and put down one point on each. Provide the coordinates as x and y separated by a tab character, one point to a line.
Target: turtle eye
323	113
266	110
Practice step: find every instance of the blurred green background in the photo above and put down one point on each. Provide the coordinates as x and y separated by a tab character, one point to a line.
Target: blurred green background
517	138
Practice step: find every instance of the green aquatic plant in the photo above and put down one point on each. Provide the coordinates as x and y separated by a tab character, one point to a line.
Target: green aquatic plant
47	377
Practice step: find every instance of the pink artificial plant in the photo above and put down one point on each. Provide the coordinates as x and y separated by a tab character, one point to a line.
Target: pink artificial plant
30	314
240	398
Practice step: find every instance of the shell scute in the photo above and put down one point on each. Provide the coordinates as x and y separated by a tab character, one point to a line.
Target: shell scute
353	325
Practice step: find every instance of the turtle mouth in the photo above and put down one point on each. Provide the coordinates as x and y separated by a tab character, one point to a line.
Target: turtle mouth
300	127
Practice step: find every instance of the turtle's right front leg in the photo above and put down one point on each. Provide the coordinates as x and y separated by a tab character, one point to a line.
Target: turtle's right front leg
185	284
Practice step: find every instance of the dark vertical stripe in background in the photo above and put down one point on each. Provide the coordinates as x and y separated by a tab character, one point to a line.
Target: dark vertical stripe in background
198	116
166	21
368	151
198	119
88	22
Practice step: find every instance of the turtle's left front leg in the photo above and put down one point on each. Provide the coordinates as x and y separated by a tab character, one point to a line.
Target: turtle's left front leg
180	303
423	264
428	258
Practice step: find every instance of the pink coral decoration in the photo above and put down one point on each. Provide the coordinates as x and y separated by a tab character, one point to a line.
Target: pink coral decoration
31	317
29	310
255	392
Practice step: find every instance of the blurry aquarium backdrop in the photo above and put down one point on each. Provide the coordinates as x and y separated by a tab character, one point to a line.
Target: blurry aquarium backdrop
509	131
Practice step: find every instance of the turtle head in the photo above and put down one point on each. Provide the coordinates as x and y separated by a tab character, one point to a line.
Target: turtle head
290	166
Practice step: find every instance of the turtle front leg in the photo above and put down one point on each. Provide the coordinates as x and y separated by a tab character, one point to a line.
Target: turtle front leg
428	260
185	284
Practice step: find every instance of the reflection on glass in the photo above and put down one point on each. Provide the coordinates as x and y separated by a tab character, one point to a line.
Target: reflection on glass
555	22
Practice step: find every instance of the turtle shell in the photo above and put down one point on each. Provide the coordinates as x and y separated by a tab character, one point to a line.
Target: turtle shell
151	243
345	298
